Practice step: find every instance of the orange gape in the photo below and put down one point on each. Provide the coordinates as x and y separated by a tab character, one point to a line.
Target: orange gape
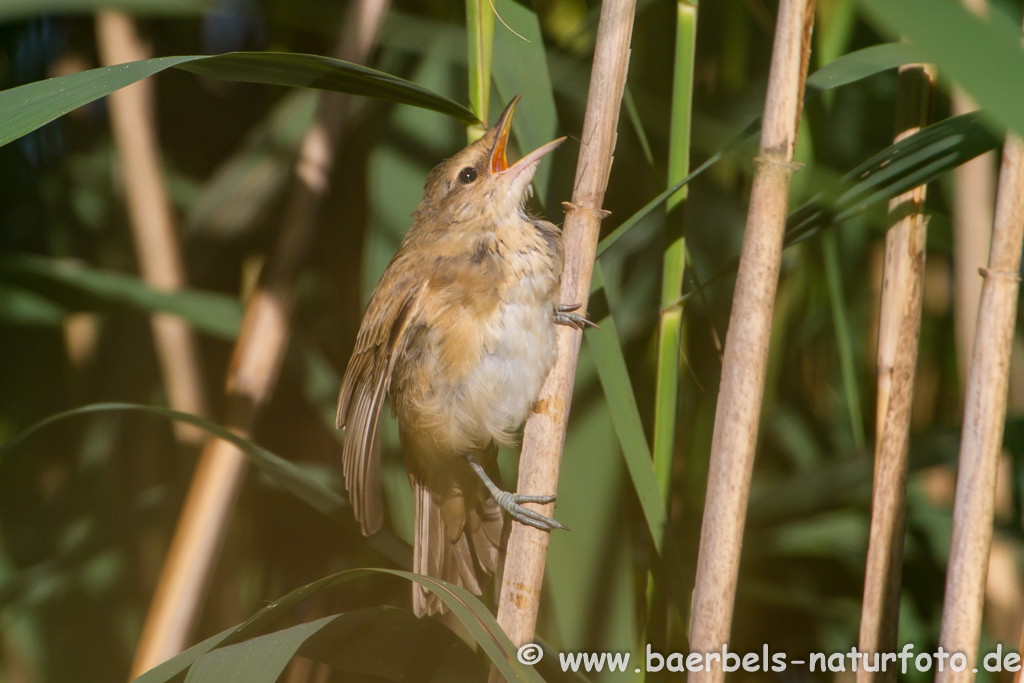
460	333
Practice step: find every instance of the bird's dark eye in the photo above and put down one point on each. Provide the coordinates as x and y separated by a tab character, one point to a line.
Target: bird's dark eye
467	175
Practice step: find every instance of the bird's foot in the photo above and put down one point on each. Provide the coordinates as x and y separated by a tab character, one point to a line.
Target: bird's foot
564	315
512	502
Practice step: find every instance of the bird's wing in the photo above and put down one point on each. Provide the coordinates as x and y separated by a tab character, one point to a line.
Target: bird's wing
392	313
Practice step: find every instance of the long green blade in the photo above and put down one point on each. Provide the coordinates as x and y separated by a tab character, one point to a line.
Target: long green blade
14	10
618	391
269	655
27	107
377	641
68	283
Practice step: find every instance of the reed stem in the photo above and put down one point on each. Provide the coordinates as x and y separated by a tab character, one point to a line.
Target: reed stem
154	234
974	191
899	329
984	418
544	434
480	39
746	346
674	261
670	322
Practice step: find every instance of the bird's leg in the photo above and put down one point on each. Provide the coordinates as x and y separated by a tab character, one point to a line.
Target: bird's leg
510	502
564	315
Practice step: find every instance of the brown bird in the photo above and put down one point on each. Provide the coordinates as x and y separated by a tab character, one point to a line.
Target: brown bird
459	333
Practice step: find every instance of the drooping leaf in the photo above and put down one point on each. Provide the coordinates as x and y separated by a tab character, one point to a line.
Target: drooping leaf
284	473
173	668
862	64
384	642
27	107
913	161
20	306
287	475
466	607
395	645
259	660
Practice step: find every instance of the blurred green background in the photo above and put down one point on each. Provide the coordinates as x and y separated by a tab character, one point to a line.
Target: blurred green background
87	505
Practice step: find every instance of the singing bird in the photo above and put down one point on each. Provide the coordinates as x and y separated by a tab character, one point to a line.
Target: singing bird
459	334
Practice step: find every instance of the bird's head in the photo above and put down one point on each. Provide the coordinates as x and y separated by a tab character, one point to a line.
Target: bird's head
478	182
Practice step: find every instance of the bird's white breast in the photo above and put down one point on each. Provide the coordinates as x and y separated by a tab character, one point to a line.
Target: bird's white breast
504	386
518	351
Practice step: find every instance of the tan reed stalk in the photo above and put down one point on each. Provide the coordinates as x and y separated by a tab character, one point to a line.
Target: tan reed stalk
899	327
984	417
252	374
133	123
544	435
974	191
746	345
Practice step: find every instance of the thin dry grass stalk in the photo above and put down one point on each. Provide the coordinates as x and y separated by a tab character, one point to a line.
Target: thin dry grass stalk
746	345
984	417
252	374
544	435
899	328
157	248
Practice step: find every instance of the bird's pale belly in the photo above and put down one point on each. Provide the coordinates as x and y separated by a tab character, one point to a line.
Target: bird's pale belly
486	396
498	394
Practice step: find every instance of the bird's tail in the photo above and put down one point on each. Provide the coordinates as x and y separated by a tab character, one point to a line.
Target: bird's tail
457	539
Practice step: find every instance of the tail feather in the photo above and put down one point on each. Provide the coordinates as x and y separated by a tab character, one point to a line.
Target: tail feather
486	534
464	561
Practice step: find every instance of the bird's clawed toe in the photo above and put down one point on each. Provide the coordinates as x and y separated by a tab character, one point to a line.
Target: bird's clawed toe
524	498
565	315
510	503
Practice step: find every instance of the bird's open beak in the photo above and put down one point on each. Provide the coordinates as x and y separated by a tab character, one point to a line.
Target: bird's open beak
499	163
